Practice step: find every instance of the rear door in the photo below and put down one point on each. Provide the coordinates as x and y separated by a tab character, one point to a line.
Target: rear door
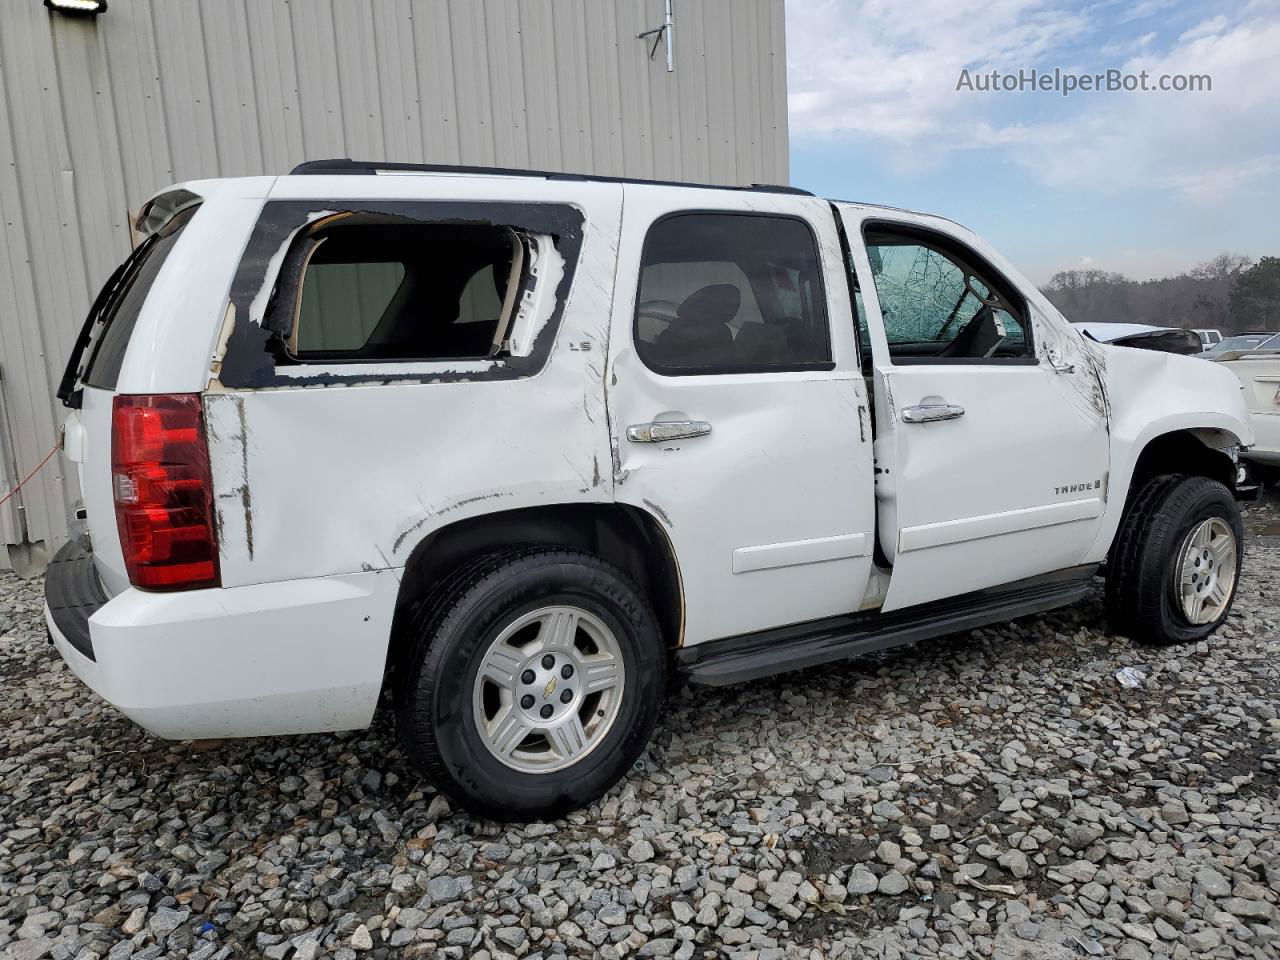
992	444
738	415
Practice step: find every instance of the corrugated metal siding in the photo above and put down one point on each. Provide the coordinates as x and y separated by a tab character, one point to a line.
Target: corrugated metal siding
95	115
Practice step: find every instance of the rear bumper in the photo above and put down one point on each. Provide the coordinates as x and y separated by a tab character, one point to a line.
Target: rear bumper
298	656
73	594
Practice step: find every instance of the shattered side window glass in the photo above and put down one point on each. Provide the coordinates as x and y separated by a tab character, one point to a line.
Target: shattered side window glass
922	293
935	306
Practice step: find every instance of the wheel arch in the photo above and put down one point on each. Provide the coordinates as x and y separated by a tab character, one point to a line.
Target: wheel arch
1195	451
1192	449
628	537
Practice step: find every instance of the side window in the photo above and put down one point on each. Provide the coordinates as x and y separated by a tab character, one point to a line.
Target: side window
939	306
731	293
396	291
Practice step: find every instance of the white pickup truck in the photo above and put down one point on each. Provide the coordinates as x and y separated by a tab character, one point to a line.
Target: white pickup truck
523	446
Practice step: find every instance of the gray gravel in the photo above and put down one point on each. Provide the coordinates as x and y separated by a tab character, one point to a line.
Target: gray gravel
997	794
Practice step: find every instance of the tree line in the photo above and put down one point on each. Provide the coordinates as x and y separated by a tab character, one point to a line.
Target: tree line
1231	293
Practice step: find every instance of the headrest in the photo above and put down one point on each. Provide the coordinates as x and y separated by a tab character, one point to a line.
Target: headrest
714	304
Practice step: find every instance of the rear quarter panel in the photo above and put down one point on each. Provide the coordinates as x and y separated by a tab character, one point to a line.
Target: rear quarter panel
316	480
174	337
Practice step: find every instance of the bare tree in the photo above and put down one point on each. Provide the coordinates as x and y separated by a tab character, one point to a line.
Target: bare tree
1201	298
1222	267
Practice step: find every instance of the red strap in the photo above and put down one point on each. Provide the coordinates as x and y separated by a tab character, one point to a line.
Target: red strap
47	457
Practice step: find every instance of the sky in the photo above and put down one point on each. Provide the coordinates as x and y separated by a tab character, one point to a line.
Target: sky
1145	183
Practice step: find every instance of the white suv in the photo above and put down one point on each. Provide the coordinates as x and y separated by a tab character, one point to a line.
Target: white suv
524	446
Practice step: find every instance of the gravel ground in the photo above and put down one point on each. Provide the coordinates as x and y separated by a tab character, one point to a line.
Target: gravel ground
997	793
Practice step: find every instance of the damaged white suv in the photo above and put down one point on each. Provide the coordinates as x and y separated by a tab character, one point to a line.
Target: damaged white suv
523	446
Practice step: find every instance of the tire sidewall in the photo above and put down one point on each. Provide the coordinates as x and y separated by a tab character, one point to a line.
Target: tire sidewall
446	682
1214	500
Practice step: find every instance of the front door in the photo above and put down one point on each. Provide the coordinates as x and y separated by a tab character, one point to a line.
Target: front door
991	428
738	415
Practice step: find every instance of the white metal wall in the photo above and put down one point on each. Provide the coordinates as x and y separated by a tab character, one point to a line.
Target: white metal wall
96	114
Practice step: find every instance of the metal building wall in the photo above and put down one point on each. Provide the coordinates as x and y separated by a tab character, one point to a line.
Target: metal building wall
97	114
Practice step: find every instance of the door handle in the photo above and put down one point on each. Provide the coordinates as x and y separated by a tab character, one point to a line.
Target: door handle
657	431
929	412
1059	366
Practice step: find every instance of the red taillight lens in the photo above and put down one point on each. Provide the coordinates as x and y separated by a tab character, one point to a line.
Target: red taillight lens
163	491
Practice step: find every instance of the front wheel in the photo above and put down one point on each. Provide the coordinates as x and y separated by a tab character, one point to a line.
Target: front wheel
1174	566
533	685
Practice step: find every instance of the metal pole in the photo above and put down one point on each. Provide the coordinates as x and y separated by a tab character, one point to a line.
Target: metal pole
669	23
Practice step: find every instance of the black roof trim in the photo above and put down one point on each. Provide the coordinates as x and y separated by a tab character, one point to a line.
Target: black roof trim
345	165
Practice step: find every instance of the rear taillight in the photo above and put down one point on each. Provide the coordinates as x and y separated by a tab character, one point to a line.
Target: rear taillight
163	491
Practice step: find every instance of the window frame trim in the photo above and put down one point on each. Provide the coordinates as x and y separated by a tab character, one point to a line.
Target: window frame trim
967	255
808	366
298	260
248	357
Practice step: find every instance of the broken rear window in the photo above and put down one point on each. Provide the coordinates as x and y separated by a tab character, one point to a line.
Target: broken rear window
397	291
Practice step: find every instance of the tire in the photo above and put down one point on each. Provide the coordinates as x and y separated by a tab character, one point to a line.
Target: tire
504	615
1146	596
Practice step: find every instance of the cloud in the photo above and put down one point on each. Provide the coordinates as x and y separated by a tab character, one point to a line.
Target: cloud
883	76
888	71
1147	8
1206	28
1202	146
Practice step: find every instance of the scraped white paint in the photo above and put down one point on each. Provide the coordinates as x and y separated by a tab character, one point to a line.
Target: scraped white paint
772	516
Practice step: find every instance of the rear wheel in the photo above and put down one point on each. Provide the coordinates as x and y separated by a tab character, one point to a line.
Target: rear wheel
1174	566
534	683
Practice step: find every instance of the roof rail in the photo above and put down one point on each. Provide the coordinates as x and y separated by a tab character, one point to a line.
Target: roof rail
345	165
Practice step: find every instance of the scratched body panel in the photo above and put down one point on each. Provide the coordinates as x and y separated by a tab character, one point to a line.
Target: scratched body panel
972	502
806	496
1151	394
335	469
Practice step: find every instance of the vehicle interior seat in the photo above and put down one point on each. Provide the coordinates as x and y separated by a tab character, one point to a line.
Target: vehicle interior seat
978	338
700	335
762	343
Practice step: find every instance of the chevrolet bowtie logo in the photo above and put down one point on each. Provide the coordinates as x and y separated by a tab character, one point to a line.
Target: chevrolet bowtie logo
551	688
